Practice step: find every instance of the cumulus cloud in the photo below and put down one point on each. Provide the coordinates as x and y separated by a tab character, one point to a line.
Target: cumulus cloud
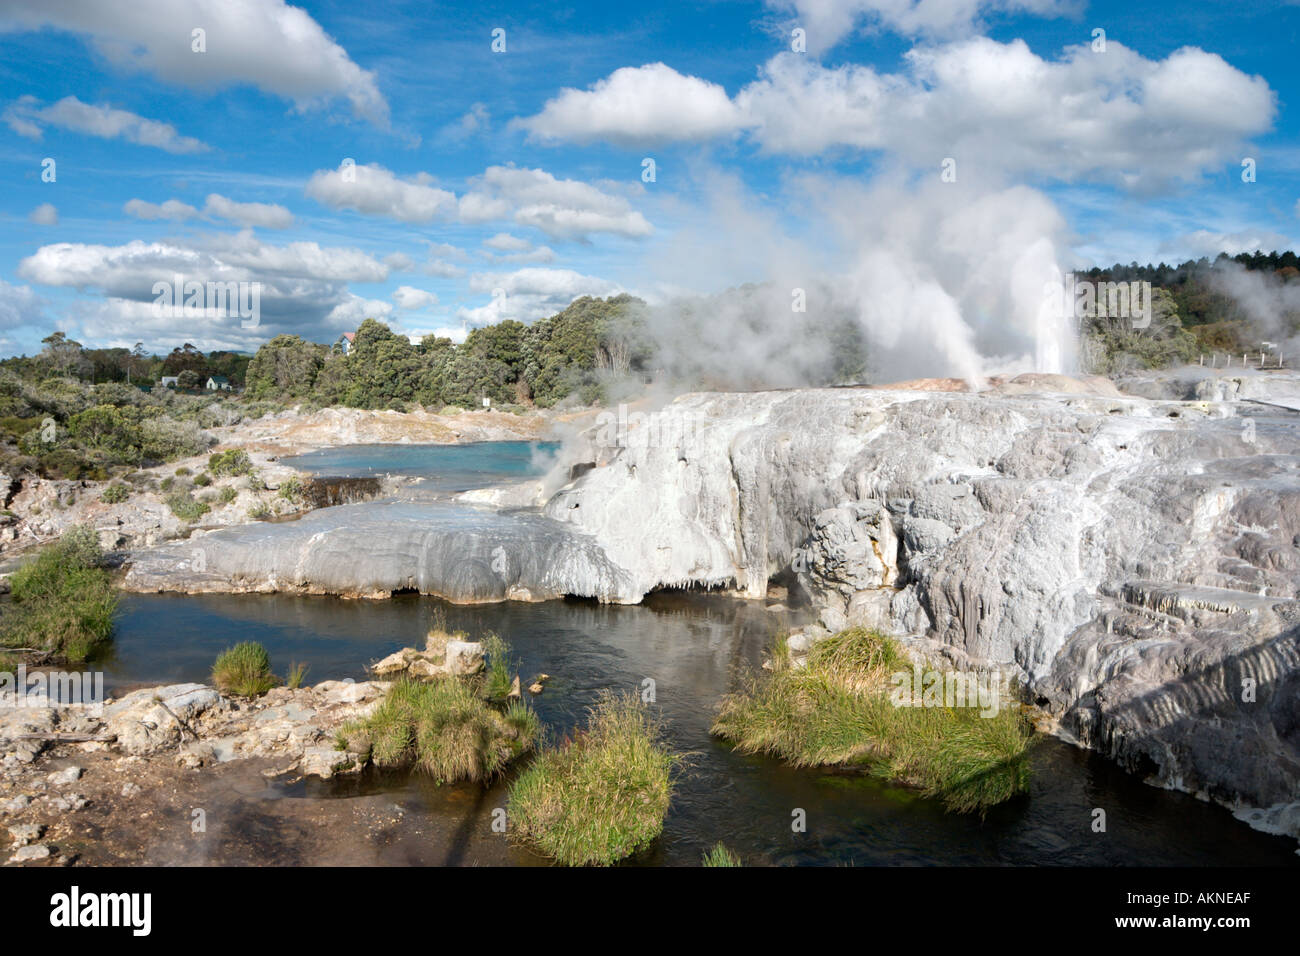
996	108
504	247
409	297
27	117
530	293
44	215
561	208
504	242
265	215
173	210
373	190
302	287
636	106
264	43
827	22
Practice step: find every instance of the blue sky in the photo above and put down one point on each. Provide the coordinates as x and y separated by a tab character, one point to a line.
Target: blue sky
501	184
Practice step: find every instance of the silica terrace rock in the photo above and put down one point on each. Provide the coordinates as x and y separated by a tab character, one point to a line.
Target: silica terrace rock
1133	562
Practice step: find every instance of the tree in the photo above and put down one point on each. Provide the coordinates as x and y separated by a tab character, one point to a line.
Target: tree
64	356
285	367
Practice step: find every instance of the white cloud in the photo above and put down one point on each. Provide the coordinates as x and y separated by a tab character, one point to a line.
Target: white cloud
26	117
561	208
302	287
44	215
531	293
504	242
637	106
173	210
19	306
1205	242
996	108
826	22
399	262
442	269
409	297
265	215
266	43
375	191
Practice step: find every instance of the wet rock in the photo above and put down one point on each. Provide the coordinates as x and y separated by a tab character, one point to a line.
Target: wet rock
325	762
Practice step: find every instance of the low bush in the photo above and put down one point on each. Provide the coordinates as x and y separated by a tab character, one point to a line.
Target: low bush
63	600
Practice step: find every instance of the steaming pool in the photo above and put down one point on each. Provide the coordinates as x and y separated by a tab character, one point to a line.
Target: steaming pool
695	647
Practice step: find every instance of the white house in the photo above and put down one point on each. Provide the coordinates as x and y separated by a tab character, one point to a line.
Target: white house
168	381
345	342
218	383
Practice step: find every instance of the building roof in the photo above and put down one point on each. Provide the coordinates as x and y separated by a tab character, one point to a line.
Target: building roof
219	379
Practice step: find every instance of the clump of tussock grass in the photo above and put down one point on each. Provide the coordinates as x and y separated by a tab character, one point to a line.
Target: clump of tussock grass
601	796
297	673
836	711
443	728
497	679
63	601
244	669
719	855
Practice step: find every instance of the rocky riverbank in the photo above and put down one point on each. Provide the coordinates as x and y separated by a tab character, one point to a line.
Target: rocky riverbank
63	765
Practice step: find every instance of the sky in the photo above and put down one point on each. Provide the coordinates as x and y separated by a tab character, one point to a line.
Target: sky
442	166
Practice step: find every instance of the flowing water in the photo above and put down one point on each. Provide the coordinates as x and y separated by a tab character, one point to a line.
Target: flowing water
693	647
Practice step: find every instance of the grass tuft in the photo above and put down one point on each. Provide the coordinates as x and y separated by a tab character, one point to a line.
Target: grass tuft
721	856
444	729
836	711
245	670
599	797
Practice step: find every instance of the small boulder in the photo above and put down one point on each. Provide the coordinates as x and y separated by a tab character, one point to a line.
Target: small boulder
464	658
29	854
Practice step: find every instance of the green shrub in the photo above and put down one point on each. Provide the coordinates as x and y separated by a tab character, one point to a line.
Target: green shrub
601	796
115	493
202	479
232	462
259	511
184	506
183	472
447	731
63	601
291	488
227	495
244	669
836	710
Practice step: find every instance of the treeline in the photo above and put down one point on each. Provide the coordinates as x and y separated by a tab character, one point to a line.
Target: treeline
1196	287
578	352
63	357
